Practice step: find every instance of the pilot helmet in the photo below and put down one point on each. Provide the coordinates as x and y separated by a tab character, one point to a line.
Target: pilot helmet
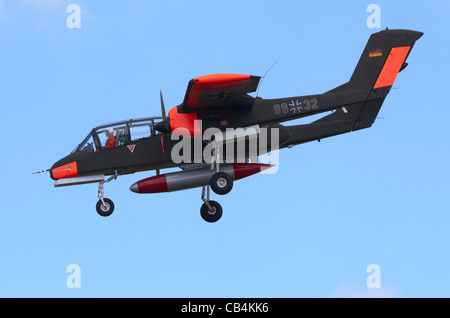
109	132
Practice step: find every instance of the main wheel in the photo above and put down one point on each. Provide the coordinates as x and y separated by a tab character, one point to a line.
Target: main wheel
211	216
221	183
105	209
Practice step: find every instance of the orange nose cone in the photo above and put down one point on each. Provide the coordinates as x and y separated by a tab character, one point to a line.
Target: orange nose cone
66	171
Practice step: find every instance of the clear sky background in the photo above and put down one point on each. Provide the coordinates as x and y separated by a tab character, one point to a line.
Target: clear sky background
375	196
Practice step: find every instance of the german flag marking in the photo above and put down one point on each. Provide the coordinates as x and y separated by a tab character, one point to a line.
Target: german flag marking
375	53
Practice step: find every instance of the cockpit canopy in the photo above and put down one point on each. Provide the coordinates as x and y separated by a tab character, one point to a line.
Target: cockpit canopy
125	132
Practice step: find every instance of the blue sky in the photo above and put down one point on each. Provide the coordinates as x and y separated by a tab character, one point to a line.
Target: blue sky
376	196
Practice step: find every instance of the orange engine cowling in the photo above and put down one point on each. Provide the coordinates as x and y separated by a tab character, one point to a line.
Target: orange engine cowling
184	124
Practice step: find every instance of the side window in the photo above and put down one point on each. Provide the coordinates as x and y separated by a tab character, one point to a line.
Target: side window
140	131
122	136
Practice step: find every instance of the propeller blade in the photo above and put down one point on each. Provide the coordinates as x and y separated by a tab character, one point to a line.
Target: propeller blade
163	109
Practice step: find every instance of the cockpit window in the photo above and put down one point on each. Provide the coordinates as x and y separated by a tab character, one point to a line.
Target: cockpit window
140	130
113	136
122	135
118	134
87	145
107	139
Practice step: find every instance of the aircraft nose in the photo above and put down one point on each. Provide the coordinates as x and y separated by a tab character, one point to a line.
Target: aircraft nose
64	171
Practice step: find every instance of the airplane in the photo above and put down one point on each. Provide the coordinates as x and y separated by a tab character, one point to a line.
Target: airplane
222	102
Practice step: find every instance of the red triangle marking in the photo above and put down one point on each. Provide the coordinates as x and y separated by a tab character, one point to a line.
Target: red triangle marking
131	147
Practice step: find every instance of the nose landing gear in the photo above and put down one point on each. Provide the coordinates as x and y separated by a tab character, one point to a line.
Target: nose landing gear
105	206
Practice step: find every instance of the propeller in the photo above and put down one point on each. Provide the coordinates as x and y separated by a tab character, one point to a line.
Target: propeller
163	109
164	125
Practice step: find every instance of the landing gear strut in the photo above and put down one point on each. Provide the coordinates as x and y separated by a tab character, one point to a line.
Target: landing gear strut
221	183
211	211
105	206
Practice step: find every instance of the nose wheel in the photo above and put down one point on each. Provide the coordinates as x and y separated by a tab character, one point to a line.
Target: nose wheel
105	207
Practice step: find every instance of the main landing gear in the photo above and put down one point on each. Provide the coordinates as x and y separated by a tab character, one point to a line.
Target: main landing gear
221	183
105	206
211	211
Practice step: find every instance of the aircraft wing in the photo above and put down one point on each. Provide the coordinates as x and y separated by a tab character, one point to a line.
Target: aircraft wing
209	92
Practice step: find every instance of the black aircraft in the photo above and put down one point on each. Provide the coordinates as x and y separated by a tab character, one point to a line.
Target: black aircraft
221	102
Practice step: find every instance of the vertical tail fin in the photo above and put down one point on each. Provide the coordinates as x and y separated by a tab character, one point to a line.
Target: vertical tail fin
382	59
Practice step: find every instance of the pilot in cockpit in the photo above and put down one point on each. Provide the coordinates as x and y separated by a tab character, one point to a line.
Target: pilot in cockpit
111	142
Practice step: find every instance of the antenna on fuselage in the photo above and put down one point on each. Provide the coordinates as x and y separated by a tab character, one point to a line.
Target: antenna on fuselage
260	83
